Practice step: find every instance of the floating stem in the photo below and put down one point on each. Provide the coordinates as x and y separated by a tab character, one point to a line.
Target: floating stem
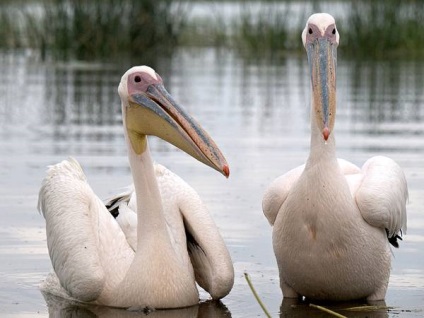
335	314
246	276
367	308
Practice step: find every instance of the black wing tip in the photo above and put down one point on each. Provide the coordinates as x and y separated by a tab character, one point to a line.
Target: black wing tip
191	240
394	239
113	208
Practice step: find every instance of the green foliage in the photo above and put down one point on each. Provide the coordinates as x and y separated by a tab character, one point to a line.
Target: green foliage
379	29
12	33
92	29
110	29
263	31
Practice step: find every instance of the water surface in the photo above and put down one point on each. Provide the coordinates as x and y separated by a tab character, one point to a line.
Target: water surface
257	112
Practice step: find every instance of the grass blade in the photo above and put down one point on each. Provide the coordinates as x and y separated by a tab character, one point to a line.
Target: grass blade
246	276
329	311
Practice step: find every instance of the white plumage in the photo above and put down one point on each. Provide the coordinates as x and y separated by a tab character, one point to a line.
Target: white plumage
175	242
332	220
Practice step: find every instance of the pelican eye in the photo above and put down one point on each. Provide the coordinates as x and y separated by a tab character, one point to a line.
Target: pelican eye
310	31
334	31
137	79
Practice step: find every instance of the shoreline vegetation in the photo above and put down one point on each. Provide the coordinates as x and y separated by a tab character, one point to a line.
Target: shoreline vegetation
106	29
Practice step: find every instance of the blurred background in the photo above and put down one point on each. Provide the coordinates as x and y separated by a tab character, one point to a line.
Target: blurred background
111	29
239	67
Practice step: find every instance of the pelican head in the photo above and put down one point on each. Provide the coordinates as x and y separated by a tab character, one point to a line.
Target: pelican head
148	109
320	39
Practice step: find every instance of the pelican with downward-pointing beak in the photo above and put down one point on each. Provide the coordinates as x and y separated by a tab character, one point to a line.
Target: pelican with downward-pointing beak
176	242
333	221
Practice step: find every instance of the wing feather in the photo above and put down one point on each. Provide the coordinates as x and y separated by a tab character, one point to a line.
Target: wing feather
279	189
210	259
122	207
81	234
192	230
213	268
277	193
382	195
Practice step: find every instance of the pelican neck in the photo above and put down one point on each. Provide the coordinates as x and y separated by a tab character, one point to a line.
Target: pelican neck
150	213
321	151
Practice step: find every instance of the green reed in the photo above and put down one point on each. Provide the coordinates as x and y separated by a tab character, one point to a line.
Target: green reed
262	31
380	29
92	29
371	29
12	33
256	29
108	28
97	29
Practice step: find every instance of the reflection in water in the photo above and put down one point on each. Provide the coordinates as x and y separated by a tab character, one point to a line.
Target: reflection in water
293	308
82	96
59	307
68	102
388	91
258	112
77	100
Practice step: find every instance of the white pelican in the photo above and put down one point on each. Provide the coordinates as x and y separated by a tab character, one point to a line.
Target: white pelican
177	242
332	220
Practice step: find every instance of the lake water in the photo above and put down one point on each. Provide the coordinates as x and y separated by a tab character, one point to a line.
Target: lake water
257	112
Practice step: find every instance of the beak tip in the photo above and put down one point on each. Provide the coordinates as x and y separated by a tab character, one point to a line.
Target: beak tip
226	171
326	133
